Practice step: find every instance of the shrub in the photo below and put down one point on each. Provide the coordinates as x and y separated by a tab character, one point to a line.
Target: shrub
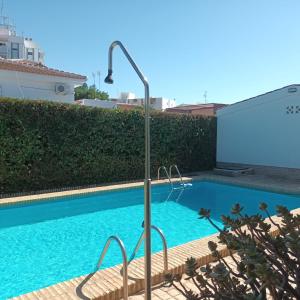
265	265
47	145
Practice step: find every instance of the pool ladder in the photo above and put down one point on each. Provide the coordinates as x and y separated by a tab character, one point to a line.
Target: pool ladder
166	172
125	262
169	174
124	270
164	242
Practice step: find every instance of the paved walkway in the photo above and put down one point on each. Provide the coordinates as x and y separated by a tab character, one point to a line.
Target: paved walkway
161	292
278	183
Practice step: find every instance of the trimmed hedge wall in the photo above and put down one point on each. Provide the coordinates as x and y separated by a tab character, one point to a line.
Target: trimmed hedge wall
45	145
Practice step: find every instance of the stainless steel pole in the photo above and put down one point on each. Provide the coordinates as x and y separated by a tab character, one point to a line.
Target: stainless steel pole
147	199
147	181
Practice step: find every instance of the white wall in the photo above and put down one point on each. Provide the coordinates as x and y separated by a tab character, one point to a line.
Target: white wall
260	132
98	103
36	87
158	103
168	103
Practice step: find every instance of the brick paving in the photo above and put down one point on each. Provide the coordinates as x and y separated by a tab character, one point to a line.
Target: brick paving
161	292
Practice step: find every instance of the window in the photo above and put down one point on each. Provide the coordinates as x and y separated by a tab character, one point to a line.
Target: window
3	50
15	51
30	53
152	100
41	56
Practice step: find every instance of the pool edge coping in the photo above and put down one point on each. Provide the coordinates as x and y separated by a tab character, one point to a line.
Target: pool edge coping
61	194
236	181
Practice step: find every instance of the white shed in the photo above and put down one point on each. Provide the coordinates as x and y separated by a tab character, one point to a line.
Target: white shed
261	131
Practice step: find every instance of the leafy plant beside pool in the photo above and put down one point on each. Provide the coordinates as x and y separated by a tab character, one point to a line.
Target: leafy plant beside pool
264	265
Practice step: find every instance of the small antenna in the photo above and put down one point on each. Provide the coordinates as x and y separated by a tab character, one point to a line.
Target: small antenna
99	75
2	3
205	97
93	74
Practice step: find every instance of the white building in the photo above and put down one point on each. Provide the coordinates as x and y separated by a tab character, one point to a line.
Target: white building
13	46
23	73
30	80
97	103
261	131
158	103
128	101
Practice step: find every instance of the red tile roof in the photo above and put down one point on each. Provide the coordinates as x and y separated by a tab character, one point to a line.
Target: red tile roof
128	106
36	68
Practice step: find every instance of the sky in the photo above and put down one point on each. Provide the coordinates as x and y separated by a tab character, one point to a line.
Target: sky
232	49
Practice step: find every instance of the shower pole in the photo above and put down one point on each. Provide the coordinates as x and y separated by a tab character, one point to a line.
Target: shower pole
147	180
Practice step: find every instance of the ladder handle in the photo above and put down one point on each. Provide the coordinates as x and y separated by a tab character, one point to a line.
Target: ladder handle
137	247
125	263
165	247
158	172
168	175
177	170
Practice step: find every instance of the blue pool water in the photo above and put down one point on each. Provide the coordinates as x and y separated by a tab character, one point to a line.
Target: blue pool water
48	242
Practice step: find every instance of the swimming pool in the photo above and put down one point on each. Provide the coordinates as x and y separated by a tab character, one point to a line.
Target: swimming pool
47	242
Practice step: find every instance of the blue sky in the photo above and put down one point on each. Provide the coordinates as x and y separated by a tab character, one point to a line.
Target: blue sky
233	49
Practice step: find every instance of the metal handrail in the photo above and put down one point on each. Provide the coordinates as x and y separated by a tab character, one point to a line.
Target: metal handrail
177	170
168	176
165	247
125	263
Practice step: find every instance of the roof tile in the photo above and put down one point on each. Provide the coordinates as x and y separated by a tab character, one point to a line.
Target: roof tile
36	68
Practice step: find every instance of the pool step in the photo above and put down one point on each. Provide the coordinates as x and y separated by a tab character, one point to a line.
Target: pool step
233	172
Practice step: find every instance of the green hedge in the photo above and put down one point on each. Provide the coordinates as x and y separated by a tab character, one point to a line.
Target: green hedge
45	145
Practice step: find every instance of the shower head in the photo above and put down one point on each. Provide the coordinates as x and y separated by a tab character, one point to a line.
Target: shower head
108	79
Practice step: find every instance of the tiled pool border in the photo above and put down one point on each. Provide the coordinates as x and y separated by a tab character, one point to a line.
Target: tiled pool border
107	284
